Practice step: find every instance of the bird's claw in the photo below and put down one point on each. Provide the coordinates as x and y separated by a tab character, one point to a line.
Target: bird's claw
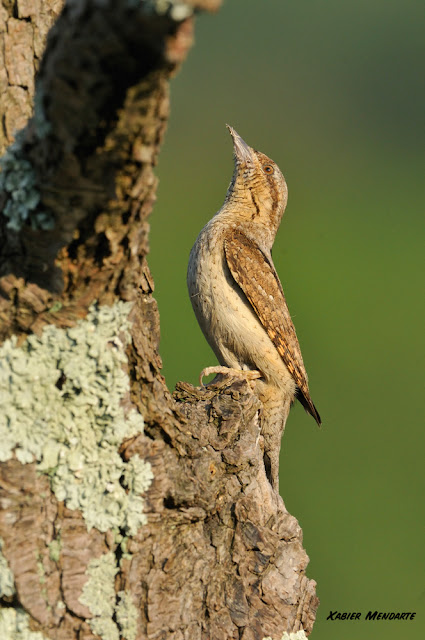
248	375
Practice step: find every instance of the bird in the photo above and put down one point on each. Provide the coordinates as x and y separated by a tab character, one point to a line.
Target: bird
239	301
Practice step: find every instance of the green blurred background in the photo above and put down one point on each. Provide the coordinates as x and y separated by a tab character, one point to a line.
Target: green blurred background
332	91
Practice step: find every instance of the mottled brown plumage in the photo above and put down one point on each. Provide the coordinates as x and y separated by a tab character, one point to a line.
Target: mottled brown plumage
260	283
238	298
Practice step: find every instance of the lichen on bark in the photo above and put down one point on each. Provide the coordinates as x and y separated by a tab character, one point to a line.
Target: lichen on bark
62	400
15	625
114	615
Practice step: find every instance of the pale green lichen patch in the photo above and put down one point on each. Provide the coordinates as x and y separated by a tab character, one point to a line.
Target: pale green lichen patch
100	597
62	406
126	614
14	625
99	592
7	583
55	547
18	180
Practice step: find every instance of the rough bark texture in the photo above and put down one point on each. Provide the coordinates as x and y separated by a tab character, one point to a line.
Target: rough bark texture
219	557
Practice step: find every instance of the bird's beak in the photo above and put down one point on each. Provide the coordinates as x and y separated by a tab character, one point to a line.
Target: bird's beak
243	153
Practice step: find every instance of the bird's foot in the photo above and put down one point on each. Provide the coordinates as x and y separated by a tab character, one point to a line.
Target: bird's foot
248	375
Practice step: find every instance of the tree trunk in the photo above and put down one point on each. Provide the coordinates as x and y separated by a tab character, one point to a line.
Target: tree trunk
125	512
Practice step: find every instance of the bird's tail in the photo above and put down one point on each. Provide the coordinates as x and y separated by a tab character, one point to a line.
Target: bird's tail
308	406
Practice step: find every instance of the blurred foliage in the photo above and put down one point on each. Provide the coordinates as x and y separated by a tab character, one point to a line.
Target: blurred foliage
333	92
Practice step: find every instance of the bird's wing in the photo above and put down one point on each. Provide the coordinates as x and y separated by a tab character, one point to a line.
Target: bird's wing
259	281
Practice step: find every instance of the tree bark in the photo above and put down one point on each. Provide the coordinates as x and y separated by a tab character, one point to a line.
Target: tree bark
125	512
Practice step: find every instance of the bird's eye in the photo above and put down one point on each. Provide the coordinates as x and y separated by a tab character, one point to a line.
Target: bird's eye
268	169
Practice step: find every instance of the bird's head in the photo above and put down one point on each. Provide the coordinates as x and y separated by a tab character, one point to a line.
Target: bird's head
257	186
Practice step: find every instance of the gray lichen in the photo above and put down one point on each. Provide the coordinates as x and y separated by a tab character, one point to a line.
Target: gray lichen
18	180
100	597
62	406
